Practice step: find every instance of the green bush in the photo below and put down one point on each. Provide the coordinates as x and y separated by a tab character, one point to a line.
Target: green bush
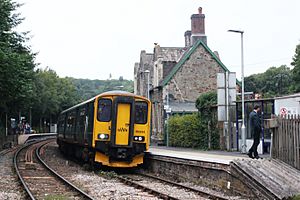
193	130
296	197
206	105
185	131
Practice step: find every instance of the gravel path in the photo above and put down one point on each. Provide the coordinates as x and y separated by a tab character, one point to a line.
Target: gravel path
10	186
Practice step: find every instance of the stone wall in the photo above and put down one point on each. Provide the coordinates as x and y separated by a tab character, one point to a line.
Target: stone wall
208	174
168	66
140	77
196	76
157	115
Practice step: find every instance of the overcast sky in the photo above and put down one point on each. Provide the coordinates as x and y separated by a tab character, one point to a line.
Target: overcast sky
93	38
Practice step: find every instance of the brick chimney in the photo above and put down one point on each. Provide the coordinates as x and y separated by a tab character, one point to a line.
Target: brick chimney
198	27
187	38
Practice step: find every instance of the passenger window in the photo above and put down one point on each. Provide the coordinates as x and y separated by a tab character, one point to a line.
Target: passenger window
81	120
141	112
104	110
61	124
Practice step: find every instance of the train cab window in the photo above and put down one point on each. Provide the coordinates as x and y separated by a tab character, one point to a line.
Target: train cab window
141	112
104	110
71	122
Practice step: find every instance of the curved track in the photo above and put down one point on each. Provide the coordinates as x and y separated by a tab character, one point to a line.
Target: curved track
38	179
6	151
10	184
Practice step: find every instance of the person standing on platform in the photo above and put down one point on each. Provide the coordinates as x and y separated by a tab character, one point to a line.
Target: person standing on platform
255	126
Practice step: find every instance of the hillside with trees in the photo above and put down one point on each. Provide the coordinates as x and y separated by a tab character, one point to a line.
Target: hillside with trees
87	88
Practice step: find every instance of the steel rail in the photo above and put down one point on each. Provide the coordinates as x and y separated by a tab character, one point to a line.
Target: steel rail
19	174
37	152
6	151
3	152
129	182
29	193
200	192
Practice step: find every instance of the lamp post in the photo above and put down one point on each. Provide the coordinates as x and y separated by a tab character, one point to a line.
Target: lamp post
244	145
148	77
30	117
168	111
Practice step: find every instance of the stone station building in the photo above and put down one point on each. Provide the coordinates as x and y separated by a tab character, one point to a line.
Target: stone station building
178	75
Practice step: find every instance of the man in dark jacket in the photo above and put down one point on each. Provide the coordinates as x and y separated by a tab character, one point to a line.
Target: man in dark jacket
255	126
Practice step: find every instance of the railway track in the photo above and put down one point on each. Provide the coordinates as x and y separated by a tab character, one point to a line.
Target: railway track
10	186
6	151
38	179
173	191
200	192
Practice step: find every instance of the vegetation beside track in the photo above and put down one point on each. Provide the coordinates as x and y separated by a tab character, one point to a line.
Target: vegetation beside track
197	130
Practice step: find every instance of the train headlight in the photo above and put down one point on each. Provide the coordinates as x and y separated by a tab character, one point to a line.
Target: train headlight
103	136
139	138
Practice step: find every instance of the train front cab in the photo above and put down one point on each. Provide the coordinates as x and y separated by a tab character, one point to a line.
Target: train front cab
121	130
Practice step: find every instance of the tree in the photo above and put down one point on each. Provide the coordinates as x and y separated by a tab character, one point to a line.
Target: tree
206	105
16	60
16	64
52	95
296	69
274	82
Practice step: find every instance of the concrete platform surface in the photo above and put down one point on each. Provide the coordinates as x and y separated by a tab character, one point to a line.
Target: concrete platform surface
222	157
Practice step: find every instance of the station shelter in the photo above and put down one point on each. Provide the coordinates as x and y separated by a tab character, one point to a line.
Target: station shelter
267	110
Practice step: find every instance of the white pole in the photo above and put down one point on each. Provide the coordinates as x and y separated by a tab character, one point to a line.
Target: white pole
167	129
244	147
30	118
227	110
6	129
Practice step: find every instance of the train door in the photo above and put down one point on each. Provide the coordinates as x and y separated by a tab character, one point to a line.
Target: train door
123	124
123	121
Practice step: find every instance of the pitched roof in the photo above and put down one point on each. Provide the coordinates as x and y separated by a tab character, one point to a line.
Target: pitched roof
186	57
179	107
171	53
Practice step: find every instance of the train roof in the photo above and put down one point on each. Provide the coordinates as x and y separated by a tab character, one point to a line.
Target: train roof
109	93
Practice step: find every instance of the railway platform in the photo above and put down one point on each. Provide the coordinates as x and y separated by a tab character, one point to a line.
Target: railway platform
267	178
221	157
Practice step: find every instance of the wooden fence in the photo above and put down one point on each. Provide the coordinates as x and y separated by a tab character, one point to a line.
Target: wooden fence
286	140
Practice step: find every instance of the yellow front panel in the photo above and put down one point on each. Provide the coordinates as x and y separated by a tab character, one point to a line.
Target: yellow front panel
123	124
100	127
104	160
